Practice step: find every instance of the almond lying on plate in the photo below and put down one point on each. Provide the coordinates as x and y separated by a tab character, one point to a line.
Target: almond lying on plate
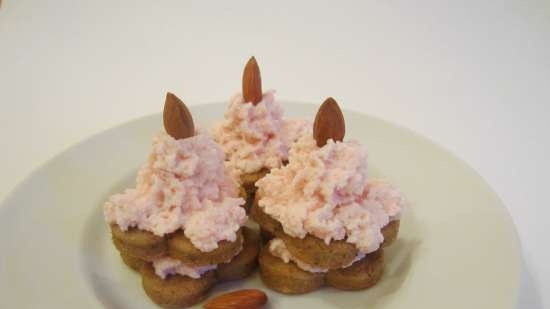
242	299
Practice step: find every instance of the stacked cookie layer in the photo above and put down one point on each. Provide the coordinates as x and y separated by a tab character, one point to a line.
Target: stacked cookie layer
335	264
142	251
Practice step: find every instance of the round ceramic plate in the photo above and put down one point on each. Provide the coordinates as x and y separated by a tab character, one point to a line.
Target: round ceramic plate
457	247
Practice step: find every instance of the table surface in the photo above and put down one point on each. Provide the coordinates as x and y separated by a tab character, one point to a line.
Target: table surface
470	75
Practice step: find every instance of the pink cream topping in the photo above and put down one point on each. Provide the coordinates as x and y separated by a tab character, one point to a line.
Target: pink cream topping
256	136
391	199
324	192
166	266
183	185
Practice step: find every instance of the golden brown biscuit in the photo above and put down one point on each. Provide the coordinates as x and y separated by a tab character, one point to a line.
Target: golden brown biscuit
248	198
390	232
137	243
314	251
265	221
244	195
248	180
287	278
361	275
245	262
134	252
248	184
132	262
180	247
175	291
136	237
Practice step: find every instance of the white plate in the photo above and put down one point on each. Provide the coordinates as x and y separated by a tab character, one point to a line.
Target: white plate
457	247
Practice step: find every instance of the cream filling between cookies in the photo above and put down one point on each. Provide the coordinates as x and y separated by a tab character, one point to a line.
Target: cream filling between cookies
166	266
278	249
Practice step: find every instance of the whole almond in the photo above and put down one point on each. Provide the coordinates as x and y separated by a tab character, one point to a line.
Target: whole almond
252	82
178	121
242	299
329	123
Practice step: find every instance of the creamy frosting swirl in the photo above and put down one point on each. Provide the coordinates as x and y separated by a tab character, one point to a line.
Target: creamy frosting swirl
183	185
389	196
324	192
256	136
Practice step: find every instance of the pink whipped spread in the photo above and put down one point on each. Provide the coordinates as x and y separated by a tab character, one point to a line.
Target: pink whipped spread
166	266
183	185
278	249
390	198
256	136
324	192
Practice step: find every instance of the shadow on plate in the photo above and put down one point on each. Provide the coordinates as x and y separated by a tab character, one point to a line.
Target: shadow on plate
112	282
529	296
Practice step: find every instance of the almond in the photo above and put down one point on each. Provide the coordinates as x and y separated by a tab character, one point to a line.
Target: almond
252	82
329	123
242	299
178	121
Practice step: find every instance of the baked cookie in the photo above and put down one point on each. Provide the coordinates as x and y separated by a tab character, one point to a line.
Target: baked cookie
180	247
316	252
165	291
390	232
287	278
360	275
243	194
245	262
265	221
132	262
248	185
175	291
139	244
